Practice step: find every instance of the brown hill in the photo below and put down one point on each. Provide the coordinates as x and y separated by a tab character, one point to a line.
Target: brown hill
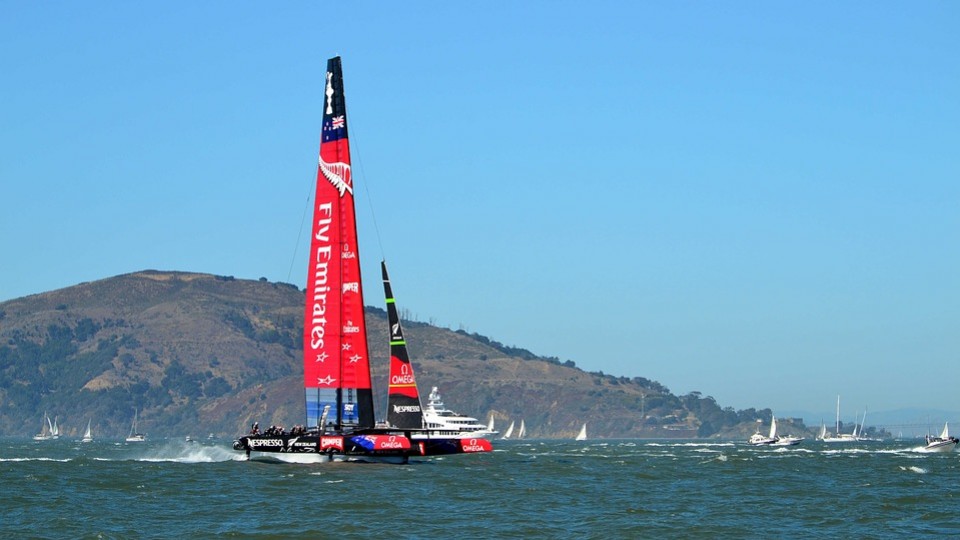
200	354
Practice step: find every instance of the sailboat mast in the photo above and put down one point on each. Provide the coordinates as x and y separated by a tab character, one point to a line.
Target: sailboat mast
838	416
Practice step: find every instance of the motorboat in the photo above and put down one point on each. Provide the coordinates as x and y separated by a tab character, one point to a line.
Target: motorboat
437	417
942	443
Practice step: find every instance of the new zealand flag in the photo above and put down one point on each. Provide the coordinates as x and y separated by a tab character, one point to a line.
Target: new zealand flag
335	110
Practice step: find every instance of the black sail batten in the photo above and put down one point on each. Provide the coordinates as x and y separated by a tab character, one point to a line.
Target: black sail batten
403	398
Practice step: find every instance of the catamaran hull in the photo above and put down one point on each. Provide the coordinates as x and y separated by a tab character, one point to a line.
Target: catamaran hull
378	447
312	448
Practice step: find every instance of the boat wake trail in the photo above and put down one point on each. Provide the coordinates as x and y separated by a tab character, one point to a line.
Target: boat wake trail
190	453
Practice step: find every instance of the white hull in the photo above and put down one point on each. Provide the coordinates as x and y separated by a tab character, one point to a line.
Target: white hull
444	434
940	446
438	418
943	443
759	440
840	439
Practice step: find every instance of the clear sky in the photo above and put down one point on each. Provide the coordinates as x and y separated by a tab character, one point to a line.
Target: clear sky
755	200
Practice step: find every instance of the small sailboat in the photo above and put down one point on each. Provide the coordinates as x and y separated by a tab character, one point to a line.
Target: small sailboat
582	436
837	436
943	443
135	435
46	429
862	431
87	435
758	439
522	431
509	432
782	440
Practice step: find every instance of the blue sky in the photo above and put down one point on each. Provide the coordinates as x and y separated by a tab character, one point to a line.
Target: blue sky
755	200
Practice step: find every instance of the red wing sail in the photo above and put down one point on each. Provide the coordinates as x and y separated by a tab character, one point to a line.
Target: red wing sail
335	360
403	398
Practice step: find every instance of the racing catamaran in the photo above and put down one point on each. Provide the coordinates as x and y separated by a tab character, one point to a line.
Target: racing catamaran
340	423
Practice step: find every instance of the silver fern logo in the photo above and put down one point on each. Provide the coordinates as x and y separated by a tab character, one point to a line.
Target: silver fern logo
338	174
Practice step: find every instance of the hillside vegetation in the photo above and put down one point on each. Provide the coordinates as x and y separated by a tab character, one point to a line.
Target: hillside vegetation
198	353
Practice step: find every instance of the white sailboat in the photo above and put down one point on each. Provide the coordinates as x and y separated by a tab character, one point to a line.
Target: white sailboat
46	429
861	431
87	435
509	432
837	436
782	440
522	431
582	436
772	438
758	439
135	435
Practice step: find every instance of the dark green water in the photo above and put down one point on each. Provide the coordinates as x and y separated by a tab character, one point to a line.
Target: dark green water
539	489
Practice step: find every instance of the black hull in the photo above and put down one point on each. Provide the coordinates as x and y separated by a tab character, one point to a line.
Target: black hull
313	447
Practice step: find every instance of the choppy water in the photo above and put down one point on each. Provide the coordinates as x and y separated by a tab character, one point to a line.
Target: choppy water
524	489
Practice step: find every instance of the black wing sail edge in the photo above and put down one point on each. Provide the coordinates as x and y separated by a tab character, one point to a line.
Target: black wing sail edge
403	399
